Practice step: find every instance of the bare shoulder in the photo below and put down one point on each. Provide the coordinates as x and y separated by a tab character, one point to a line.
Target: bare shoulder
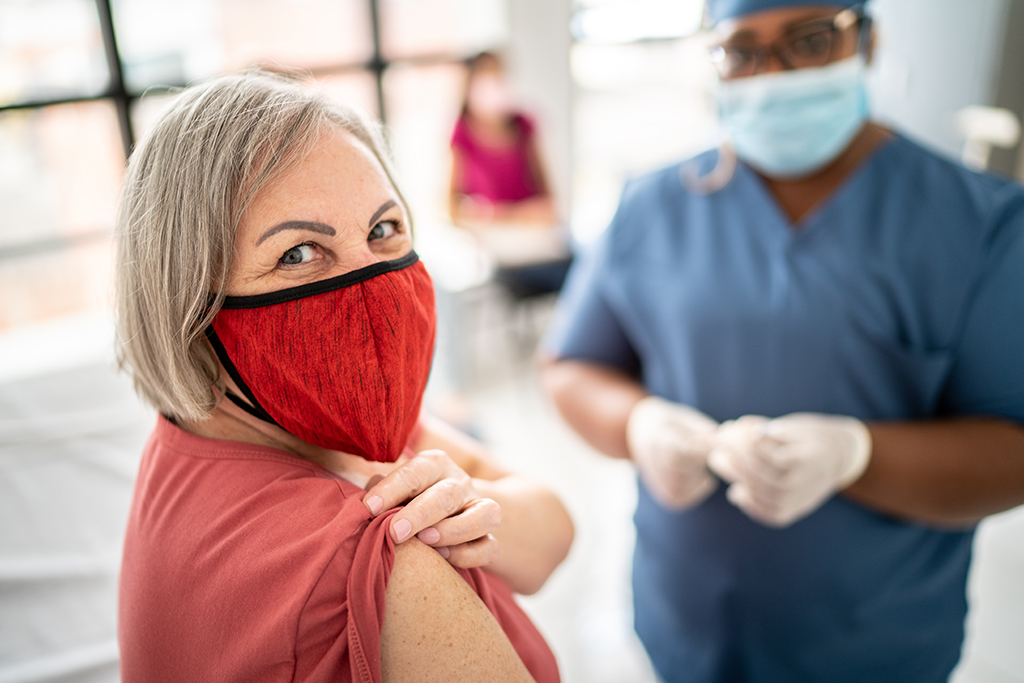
437	629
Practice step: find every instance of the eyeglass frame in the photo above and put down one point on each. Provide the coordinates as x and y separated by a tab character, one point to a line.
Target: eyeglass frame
842	21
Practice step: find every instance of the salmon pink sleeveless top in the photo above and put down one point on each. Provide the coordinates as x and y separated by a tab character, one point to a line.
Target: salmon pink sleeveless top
245	563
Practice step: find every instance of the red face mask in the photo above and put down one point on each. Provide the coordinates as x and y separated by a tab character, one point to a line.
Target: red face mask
341	363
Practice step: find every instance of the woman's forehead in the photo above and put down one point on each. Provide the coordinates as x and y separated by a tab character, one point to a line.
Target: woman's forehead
339	173
337	156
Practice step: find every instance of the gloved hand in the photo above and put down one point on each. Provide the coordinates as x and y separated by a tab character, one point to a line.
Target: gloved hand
782	470
669	443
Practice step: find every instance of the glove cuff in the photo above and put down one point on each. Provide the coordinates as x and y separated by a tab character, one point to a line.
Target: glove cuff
650	416
640	417
861	453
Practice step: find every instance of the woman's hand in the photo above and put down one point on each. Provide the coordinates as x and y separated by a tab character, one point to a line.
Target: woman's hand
444	511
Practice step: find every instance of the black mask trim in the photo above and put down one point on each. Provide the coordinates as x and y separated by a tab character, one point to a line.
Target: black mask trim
253	407
320	286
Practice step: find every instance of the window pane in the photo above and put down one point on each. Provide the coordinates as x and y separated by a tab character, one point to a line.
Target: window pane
637	106
145	110
622	22
423	103
50	49
173	42
357	90
54	284
60	172
411	28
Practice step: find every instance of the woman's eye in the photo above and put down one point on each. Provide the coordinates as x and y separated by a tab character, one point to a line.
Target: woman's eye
297	255
382	230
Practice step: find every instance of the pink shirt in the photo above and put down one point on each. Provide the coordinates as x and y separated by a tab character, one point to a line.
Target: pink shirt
246	563
496	174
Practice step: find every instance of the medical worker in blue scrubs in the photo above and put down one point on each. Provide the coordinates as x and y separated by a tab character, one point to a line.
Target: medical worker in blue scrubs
811	344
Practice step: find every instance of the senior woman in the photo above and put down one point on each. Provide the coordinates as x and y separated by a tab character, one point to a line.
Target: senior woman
271	308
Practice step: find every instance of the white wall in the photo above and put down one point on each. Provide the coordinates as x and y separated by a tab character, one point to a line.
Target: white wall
934	57
538	53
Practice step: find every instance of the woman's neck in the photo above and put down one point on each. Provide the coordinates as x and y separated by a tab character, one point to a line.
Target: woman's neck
228	422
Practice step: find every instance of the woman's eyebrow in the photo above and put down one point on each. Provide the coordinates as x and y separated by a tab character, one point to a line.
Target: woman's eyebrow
383	207
311	226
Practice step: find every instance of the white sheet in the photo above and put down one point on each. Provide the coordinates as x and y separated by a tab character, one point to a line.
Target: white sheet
70	443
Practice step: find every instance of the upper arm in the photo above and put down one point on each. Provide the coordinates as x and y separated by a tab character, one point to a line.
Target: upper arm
585	326
437	629
540	177
458	145
987	376
455	183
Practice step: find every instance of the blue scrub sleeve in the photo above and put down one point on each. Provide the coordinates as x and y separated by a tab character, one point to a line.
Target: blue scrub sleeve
987	377
585	326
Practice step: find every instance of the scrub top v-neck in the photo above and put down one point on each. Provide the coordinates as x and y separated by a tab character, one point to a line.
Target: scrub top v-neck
898	298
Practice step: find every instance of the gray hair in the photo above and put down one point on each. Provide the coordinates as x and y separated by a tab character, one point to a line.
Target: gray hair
186	187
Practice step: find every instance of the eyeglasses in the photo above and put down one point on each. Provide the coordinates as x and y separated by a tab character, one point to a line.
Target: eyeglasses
810	44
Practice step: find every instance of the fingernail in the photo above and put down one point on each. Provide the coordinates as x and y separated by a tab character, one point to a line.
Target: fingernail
430	536
402	529
443	551
375	503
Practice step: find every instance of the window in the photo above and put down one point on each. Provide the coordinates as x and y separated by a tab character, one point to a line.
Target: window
643	98
81	80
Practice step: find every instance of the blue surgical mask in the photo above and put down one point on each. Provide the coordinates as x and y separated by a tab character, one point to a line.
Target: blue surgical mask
793	123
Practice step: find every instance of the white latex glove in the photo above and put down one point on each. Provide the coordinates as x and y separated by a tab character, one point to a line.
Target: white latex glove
670	443
784	469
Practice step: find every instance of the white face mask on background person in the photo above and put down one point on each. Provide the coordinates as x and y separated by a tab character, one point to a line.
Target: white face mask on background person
489	97
792	123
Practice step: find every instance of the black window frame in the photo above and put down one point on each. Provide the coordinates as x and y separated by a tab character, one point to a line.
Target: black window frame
122	98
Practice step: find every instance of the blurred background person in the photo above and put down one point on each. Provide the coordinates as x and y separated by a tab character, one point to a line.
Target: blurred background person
499	187
500	195
812	356
497	174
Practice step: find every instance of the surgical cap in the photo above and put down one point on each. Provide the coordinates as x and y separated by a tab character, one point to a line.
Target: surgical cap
726	9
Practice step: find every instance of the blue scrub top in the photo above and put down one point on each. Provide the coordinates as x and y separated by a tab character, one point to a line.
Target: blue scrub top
900	298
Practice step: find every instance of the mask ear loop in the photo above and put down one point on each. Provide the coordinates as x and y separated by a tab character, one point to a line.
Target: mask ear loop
253	407
715	179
